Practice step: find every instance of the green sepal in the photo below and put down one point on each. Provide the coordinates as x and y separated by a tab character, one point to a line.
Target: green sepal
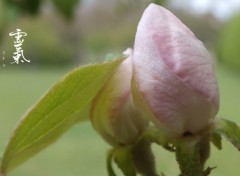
133	159
216	139
110	157
143	158
208	171
123	158
229	130
154	135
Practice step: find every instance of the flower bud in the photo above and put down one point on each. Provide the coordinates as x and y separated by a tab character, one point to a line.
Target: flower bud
113	113
173	75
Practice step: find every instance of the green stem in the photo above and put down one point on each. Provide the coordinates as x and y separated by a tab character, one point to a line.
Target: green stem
204	149
188	158
191	156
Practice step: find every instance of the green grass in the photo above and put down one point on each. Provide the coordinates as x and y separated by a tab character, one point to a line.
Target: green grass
81	151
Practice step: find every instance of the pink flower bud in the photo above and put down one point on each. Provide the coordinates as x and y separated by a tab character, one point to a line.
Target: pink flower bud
113	113
173	74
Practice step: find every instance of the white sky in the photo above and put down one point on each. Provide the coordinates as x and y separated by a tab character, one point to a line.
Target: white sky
222	9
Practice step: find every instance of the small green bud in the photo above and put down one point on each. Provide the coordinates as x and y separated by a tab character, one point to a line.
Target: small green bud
113	113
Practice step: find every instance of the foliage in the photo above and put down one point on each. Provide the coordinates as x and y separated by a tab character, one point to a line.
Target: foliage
66	8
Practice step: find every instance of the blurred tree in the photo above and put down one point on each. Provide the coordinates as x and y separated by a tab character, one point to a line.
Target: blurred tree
1	19
10	10
32	6
108	26
29	6
206	27
45	46
160	2
66	7
229	44
7	15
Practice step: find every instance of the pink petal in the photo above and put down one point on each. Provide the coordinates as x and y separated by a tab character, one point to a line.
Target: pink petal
174	73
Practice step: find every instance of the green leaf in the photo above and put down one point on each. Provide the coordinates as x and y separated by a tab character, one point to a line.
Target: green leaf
66	7
61	107
229	130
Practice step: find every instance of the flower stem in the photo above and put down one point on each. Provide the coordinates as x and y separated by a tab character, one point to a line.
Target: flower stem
188	158
191	156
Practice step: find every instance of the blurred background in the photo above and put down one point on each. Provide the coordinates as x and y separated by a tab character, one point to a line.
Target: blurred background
62	35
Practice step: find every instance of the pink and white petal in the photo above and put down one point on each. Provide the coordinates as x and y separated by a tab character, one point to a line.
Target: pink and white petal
174	71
